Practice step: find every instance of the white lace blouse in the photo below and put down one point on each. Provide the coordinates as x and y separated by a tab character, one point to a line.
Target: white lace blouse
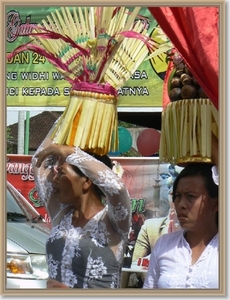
170	265
215	175
92	256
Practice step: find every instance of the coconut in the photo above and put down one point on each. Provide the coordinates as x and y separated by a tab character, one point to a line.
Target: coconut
175	82
188	92
186	79
175	94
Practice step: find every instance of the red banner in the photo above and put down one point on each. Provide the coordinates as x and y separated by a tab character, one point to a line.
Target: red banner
20	174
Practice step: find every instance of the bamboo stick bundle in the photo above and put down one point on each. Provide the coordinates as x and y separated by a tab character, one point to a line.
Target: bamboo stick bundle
203	129
69	116
175	133
198	128
74	125
186	133
181	122
98	125
185	130
190	126
209	132
214	120
91	122
123	63
89	109
96	49
194	132
59	124
114	137
106	127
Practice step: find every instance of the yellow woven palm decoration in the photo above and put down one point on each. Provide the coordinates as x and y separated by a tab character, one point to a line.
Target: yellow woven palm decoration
186	133
97	49
189	119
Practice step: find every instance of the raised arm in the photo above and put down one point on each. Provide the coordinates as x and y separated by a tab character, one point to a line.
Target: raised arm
43	176
117	196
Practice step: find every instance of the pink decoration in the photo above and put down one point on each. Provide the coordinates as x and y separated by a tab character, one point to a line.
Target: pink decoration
148	142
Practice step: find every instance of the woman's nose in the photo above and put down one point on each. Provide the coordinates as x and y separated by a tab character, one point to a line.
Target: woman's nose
56	177
183	202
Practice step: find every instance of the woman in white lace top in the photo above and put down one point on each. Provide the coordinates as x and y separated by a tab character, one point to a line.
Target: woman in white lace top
86	245
189	258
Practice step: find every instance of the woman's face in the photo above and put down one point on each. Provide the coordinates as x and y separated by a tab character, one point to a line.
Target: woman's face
194	207
68	184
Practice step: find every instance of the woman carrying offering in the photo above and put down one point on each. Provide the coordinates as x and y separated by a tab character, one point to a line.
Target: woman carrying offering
90	211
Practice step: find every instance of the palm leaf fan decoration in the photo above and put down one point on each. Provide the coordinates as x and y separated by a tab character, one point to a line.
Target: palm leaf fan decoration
97	49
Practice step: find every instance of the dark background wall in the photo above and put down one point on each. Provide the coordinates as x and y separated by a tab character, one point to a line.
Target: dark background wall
150	119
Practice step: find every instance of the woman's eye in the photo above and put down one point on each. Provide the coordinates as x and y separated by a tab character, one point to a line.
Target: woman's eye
190	197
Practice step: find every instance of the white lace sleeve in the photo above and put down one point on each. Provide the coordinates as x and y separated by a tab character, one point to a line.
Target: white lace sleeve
117	196
215	175
43	180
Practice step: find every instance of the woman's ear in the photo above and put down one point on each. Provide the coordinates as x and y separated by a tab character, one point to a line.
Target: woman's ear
86	184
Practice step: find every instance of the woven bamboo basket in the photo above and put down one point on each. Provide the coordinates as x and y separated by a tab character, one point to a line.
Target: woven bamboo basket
186	133
97	49
89	122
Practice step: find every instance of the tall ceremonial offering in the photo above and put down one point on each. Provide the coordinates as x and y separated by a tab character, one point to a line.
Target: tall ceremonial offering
96	49
189	118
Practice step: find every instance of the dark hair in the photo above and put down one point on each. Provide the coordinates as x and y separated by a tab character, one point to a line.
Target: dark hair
104	159
199	169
